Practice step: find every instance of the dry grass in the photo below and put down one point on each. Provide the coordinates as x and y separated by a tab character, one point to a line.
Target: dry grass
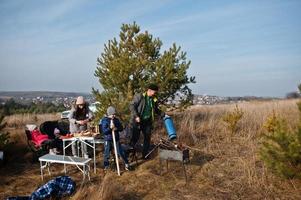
236	168
226	167
20	120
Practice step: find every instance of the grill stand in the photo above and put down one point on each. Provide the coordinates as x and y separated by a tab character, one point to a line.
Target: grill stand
176	155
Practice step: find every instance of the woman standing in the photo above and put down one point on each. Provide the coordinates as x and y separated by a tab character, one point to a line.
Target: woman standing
79	117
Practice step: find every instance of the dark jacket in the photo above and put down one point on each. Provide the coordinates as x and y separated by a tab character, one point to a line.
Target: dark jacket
48	127
137	106
107	131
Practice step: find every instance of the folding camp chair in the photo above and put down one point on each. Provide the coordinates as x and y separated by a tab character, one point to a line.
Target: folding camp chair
37	151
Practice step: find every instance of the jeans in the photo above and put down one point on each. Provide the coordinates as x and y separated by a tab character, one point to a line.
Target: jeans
75	128
108	146
83	148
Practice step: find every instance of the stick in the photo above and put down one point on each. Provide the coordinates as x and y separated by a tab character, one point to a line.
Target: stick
192	148
115	150
152	150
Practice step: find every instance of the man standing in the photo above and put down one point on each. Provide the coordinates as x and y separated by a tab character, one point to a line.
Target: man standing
143	108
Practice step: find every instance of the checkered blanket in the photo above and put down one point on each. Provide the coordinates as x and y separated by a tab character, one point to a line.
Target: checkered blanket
58	187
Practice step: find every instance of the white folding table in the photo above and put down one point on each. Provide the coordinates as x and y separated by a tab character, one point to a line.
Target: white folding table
78	161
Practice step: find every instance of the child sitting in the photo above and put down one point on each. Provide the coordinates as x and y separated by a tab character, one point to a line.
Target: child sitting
109	123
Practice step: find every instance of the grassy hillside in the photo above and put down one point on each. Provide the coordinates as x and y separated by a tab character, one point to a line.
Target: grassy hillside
223	165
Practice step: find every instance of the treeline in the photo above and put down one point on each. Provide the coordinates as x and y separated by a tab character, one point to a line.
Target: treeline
12	107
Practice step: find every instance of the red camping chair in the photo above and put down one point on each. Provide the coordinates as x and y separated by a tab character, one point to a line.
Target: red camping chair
37	151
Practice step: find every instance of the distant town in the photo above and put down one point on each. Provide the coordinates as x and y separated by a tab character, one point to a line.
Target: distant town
211	100
67	98
56	98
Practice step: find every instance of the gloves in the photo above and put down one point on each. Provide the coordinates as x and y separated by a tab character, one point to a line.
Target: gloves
163	116
112	125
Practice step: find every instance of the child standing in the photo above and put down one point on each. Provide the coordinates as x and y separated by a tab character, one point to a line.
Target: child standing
108	124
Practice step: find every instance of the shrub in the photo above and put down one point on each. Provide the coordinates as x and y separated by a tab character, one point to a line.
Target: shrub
293	95
231	119
4	136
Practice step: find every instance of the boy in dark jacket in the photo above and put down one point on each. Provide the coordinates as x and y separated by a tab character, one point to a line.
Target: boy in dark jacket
108	124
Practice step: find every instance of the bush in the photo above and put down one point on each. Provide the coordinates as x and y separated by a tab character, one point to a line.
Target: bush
4	140
4	136
231	119
293	95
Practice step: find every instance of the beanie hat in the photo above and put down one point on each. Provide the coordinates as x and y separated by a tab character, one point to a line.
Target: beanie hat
111	111
31	127
80	100
153	86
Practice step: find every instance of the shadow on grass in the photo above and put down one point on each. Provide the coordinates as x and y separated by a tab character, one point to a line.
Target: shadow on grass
200	158
18	160
132	196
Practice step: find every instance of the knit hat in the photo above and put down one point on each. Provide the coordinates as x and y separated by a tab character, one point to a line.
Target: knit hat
31	127
111	111
80	100
153	86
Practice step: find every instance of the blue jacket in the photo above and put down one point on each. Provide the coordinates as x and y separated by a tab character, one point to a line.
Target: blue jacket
107	131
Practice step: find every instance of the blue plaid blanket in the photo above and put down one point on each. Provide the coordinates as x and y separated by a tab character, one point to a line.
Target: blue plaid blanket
58	187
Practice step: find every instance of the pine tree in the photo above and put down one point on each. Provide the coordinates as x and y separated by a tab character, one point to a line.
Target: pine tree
231	119
281	148
127	66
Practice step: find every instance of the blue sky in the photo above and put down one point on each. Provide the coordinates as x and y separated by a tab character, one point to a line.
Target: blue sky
236	48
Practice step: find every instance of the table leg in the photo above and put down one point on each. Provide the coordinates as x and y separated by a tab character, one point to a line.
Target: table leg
84	172
82	150
41	164
64	152
89	172
94	156
48	168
